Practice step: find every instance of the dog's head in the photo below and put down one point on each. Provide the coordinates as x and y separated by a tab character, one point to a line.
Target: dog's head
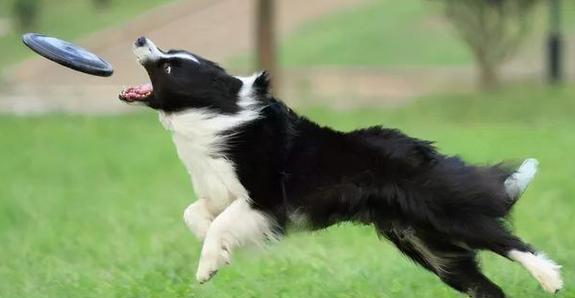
181	80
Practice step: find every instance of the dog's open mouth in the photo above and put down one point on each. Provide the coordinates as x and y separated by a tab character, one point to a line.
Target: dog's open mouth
137	93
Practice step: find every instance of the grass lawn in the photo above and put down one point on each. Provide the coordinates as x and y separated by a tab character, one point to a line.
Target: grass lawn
92	206
391	33
69	19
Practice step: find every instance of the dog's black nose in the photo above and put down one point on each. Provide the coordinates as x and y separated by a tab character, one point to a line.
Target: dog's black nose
141	41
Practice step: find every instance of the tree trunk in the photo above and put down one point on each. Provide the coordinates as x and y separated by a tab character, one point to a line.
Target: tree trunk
488	76
488	70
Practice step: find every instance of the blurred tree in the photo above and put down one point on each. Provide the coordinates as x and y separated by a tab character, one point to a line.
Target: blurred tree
493	30
26	14
101	4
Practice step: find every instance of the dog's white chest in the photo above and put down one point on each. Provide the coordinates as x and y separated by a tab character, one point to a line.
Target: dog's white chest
213	176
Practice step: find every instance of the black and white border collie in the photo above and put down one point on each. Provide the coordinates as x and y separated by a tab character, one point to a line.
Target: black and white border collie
258	169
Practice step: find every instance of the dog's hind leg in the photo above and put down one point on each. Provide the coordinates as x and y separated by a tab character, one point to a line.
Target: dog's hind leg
543	269
497	238
465	276
454	265
238	225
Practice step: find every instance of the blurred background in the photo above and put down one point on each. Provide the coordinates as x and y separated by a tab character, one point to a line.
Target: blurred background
91	191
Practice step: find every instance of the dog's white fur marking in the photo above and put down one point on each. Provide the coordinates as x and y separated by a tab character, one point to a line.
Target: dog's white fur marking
517	183
237	225
150	51
246	92
544	270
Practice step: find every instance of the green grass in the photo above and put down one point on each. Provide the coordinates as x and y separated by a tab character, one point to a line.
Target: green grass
70	20
382	32
91	206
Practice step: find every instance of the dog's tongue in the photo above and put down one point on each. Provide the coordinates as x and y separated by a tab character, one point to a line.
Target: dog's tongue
137	92
143	88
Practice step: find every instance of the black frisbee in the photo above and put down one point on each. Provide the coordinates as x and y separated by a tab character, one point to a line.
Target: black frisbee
68	54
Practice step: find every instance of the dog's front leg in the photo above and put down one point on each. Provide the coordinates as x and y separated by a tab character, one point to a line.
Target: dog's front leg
237	225
198	218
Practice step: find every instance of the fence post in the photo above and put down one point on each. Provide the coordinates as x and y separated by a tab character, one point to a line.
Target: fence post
555	44
266	43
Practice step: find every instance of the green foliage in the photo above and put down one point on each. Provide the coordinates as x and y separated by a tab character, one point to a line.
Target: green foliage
102	4
92	206
26	14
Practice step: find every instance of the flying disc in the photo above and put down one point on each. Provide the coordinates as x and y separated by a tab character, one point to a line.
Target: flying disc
68	54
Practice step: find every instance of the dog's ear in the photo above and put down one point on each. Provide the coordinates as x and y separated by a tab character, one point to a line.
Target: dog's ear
262	84
230	85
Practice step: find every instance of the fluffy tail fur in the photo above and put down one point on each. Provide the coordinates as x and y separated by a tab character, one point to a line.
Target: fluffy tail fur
516	183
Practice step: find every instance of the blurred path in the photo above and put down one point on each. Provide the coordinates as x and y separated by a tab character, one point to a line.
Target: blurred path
356	86
216	29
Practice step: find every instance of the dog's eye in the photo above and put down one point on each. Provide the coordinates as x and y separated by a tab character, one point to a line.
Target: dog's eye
167	68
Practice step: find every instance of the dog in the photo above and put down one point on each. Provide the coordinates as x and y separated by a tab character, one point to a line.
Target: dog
258	169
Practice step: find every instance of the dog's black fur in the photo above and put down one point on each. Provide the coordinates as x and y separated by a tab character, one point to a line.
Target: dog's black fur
400	185
426	203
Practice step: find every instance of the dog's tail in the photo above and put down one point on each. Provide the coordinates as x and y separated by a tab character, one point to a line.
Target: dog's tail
516	183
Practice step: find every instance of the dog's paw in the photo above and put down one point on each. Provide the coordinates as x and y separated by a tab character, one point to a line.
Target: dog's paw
210	264
204	275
